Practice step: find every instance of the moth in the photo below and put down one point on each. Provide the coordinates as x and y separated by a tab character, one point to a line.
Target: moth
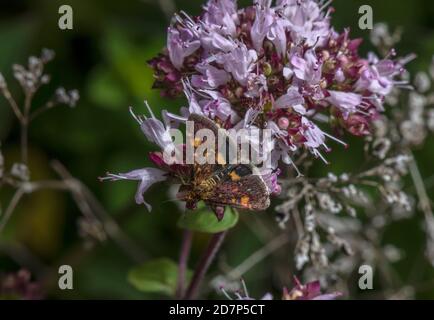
220	185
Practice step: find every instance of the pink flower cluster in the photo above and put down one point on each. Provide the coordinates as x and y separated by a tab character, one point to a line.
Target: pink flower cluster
308	291
280	66
20	286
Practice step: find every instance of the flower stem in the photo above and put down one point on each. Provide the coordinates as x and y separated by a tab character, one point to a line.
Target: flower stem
183	260
24	142
25	127
203	265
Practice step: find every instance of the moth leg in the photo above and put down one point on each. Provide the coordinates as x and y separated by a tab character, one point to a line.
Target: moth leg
219	211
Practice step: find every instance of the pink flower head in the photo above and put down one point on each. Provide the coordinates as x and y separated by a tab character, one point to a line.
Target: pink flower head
20	286
279	64
309	291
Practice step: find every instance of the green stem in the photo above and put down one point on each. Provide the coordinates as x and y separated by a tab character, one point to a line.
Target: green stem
183	260
204	264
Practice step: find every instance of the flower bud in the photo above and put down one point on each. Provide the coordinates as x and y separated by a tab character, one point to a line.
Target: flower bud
283	123
268	70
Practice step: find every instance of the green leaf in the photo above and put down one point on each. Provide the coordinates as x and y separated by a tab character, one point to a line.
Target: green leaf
156	276
203	220
104	90
128	61
14	39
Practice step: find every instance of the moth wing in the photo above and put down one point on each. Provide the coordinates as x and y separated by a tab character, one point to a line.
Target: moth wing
202	122
206	170
231	149
249	192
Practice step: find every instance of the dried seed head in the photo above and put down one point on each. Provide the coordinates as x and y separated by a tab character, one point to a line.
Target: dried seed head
20	171
45	79
47	55
339	242
414	133
392	253
422	82
69	98
281	219
380	147
327	203
416	103
302	252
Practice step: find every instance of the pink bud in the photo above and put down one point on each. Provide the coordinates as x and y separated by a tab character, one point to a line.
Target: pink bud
277	190
283	123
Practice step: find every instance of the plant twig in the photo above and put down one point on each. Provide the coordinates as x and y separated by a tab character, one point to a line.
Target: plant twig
48	106
90	207
13	104
258	256
23	256
12	205
25	127
425	203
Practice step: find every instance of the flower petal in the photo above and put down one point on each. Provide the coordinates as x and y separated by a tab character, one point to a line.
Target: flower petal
328	296
347	102
146	176
156	132
290	99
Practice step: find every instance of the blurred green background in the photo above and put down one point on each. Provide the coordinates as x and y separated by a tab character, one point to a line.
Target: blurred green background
104	57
